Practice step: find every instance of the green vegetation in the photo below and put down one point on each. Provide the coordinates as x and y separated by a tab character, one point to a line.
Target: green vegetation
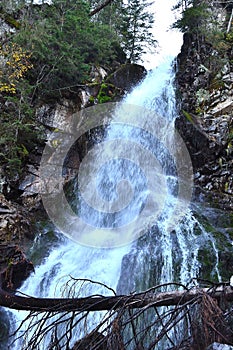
53	49
135	29
65	56
103	95
193	18
199	19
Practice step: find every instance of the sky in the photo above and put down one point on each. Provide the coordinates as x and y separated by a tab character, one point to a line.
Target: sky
169	40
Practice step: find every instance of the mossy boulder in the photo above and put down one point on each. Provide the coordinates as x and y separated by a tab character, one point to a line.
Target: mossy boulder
127	76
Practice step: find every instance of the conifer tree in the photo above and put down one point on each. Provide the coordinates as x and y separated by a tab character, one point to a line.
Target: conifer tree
135	29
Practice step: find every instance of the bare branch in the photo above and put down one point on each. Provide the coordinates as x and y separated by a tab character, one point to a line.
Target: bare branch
100	7
100	303
230	21
128	321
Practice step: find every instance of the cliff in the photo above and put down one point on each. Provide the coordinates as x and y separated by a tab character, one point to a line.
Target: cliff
205	95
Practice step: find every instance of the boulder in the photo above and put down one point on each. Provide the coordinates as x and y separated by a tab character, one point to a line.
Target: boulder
127	76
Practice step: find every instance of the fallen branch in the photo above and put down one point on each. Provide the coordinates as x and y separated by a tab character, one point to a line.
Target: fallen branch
100	303
128	321
230	22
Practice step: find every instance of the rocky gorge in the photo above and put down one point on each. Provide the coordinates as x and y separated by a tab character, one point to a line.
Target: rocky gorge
205	92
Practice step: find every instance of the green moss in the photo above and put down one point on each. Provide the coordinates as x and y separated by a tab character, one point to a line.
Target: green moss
106	93
188	116
199	110
229	37
215	254
91	100
216	84
10	20
207	259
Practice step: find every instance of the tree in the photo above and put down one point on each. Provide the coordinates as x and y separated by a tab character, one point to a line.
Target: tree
14	66
193	18
134	321
135	29
183	4
18	127
75	43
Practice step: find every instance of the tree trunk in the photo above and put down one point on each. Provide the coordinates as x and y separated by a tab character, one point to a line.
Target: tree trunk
99	303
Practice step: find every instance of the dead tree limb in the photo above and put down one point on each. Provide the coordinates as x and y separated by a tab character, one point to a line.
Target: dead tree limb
100	7
230	22
101	303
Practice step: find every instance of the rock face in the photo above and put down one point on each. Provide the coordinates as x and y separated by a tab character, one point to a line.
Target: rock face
14	267
205	89
15	218
127	76
58	114
15	228
15	223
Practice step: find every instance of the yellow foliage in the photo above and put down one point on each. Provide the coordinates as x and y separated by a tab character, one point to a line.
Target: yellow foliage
15	64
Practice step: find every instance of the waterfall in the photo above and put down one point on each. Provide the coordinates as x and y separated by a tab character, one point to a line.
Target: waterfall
152	251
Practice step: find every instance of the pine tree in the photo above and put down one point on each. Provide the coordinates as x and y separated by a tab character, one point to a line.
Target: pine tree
135	29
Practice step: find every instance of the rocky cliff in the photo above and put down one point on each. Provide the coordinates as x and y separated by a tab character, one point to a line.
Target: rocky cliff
20	200
205	95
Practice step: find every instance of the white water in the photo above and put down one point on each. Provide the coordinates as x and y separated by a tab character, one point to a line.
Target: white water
156	92
104	265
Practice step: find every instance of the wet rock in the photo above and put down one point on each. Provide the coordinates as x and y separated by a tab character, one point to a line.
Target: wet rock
218	346
14	267
4	329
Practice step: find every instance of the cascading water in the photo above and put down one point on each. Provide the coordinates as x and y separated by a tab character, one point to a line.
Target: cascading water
159	255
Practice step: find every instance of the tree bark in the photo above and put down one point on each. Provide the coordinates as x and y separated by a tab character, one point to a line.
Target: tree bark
99	303
100	7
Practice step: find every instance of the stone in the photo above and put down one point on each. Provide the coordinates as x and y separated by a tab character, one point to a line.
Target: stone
127	76
15	224
223	107
59	114
98	74
14	267
30	185
218	346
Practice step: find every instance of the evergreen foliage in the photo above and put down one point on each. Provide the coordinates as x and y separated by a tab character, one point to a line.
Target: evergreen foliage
192	18
135	29
53	47
65	43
